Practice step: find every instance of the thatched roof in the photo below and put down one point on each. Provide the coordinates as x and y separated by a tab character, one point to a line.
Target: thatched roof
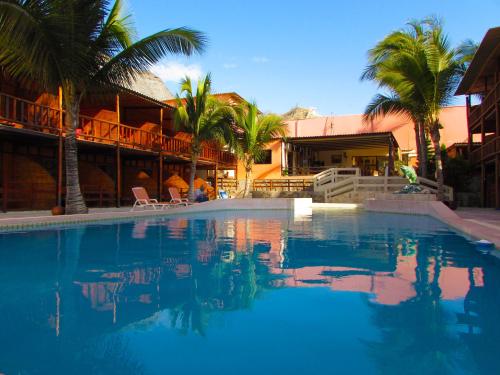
298	113
150	85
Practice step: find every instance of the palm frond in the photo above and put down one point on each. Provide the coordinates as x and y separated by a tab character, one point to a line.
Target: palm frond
143	54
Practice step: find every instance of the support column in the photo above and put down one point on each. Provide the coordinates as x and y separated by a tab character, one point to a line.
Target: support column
391	156
216	179
118	157
483	185
5	177
160	164
497	181
60	142
160	177
469	132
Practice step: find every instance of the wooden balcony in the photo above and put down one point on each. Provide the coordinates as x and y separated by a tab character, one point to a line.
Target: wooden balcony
487	106
24	115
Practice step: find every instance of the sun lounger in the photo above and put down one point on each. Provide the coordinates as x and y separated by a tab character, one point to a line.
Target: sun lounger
142	200
176	197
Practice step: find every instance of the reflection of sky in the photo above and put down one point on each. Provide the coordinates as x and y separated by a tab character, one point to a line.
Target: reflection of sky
169	285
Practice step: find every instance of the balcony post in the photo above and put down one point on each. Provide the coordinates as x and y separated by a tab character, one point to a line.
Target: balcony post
5	177
160	164
497	181
216	187
118	156
60	142
469	132
391	156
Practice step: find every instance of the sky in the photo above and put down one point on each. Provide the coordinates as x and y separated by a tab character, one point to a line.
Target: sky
307	53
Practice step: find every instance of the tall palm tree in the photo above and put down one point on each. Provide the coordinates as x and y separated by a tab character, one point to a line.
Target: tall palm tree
422	70
203	117
254	132
80	45
391	62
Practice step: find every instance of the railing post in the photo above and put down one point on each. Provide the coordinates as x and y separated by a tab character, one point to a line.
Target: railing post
5	178
60	150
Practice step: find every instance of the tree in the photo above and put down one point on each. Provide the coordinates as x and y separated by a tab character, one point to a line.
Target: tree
254	132
203	117
392	62
422	70
80	46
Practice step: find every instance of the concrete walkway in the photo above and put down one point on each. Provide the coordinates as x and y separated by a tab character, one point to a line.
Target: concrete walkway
486	217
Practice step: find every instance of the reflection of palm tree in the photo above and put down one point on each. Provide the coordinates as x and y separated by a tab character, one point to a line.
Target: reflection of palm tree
415	338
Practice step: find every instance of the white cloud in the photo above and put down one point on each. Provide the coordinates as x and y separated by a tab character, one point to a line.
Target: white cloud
174	71
229	65
260	59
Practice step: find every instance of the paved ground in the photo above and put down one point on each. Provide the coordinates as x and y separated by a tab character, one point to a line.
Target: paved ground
21	214
484	216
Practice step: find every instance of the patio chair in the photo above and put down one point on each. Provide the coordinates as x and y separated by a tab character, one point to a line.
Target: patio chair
142	200
176	197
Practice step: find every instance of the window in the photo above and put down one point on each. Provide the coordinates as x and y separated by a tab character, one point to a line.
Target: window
267	158
336	159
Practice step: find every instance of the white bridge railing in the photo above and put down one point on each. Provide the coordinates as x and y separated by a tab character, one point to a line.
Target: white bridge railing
348	180
332	176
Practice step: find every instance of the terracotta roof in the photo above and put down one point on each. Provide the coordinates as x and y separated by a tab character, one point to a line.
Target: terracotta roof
453	119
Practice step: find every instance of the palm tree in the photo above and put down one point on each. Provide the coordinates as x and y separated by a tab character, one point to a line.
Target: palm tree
80	46
254	132
391	62
422	70
203	117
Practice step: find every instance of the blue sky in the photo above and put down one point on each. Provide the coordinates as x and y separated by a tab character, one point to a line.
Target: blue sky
308	53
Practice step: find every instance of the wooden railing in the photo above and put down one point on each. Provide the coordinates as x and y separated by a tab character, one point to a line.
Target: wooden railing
485	151
227	184
486	106
283	184
29	115
475	115
24	114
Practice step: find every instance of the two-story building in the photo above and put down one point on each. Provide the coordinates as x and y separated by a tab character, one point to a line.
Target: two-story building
481	84
125	137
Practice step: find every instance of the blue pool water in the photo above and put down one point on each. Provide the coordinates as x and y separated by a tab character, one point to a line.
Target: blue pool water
249	293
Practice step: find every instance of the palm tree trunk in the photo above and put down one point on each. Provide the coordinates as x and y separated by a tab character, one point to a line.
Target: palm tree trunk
419	148
192	175
248	180
436	138
74	199
423	151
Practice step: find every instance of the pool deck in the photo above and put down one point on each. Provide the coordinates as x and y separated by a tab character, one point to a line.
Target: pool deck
36	219
477	223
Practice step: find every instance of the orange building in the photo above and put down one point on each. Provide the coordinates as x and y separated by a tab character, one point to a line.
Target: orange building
319	143
125	138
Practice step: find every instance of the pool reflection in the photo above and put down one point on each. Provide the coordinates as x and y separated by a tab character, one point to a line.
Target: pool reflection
64	290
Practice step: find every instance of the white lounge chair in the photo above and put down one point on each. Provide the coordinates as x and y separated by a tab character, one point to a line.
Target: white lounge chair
176	197
142	200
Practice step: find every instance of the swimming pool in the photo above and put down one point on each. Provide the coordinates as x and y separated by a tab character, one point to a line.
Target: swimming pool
249	292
